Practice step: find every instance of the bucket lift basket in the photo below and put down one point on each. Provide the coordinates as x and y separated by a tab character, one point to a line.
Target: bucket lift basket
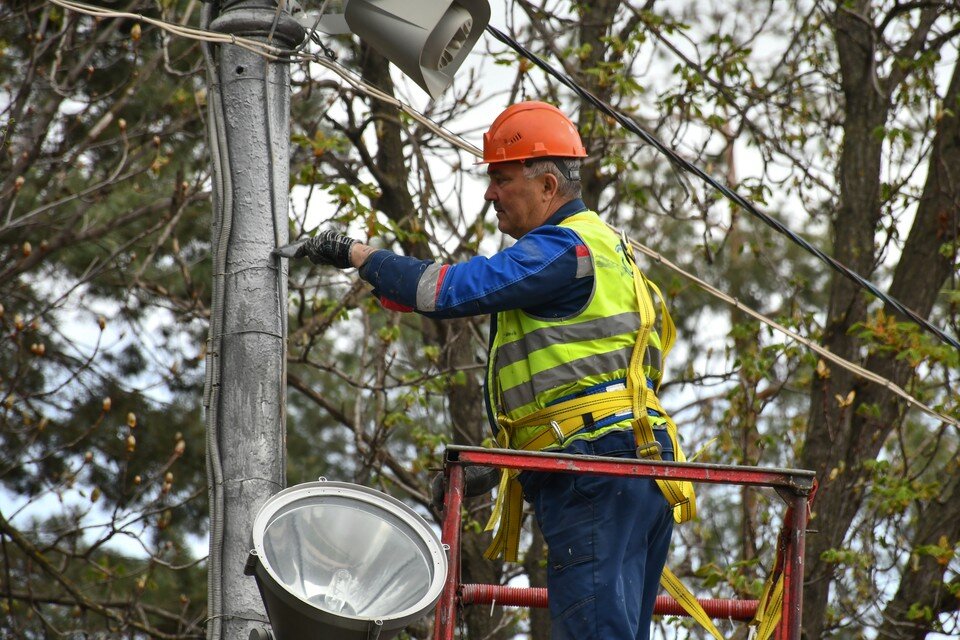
796	488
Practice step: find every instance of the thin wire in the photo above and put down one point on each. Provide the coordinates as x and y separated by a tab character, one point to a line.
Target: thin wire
313	30
629	124
269	51
823	352
222	208
360	85
357	83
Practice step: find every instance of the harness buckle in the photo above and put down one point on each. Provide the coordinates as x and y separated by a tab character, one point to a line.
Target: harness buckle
558	434
649	450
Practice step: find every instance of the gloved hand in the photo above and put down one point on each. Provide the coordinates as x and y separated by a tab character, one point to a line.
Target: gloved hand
477	481
329	248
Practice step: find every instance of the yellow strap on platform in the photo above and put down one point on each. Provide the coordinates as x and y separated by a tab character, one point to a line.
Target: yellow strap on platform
508	511
672	585
770	608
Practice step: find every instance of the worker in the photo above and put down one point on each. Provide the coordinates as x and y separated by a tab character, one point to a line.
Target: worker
573	368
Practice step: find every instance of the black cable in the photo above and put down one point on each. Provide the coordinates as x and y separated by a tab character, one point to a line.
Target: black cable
629	124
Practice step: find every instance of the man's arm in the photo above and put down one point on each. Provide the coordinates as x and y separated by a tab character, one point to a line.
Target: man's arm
543	273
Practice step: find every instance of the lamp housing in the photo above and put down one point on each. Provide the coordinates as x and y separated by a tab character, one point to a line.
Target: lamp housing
428	40
339	561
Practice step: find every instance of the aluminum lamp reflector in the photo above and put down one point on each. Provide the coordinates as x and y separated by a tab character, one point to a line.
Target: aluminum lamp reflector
426	39
337	561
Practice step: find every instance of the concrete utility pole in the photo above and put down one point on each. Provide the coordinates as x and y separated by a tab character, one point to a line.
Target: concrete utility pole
246	444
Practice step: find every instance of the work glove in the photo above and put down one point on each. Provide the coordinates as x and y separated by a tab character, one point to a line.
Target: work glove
477	481
328	248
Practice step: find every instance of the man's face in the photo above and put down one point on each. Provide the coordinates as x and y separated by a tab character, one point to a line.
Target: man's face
521	204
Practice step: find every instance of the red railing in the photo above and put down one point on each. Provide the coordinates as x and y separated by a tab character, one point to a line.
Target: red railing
794	486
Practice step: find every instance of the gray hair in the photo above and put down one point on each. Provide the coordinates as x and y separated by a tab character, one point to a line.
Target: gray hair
566	187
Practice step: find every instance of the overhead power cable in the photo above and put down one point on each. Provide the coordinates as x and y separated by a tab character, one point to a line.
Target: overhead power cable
359	84
682	163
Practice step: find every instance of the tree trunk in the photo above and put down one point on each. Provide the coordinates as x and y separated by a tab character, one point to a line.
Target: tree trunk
596	20
919	277
829	447
840	438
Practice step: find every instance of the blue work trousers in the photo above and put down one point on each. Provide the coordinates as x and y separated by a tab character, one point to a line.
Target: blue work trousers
608	539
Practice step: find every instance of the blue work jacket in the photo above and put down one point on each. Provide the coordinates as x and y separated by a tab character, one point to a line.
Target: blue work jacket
537	274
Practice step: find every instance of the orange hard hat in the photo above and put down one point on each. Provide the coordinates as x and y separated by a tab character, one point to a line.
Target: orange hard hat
531	130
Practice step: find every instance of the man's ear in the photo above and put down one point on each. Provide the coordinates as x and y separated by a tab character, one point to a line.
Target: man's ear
550	186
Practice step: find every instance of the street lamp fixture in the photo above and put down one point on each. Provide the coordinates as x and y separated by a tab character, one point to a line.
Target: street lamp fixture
339	561
427	40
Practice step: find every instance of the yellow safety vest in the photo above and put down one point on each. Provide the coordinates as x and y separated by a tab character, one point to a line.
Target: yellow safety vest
537	364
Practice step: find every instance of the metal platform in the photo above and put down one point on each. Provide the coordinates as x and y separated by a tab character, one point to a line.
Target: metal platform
794	486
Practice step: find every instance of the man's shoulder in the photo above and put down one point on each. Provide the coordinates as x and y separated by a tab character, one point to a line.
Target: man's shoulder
585	219
551	238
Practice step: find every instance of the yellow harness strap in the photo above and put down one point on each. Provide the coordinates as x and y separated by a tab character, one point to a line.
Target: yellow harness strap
672	585
679	494
510	506
566	418
507	510
770	607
